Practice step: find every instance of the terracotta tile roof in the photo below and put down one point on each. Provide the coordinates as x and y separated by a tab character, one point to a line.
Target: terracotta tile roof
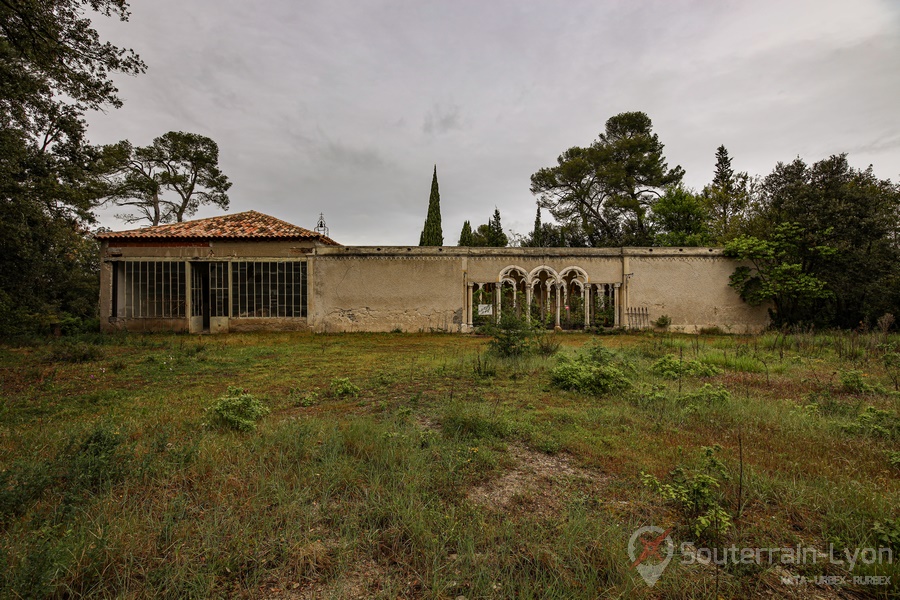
243	225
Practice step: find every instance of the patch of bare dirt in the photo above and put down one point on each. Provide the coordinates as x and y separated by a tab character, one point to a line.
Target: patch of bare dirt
536	483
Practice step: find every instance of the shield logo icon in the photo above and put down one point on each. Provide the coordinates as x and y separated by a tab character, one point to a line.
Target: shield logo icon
650	550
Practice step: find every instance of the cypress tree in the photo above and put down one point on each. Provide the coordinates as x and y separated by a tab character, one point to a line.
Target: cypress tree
431	233
465	236
537	236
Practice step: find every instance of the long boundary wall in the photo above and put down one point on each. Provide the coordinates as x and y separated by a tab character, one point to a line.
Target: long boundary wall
371	288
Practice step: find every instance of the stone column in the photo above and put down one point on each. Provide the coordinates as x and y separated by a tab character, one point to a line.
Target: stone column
586	301
527	302
558	304
497	292
617	305
469	318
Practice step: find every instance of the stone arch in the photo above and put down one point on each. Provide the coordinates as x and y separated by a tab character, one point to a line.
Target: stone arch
579	274
536	273
574	286
513	272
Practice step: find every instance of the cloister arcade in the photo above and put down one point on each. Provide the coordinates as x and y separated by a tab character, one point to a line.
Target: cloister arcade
566	299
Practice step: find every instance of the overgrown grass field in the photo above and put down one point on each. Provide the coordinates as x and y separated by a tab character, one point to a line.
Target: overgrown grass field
427	466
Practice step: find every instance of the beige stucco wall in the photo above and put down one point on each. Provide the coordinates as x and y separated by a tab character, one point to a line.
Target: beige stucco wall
371	292
421	289
384	288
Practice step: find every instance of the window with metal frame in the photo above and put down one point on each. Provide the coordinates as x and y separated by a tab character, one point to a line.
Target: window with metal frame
268	289
154	289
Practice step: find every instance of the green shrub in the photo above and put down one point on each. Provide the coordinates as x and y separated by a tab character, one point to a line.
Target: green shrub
670	367
893	459
877	423
697	493
853	381
582	373
305	400
237	410
342	386
887	533
663	322
708	394
547	344
97	460
512	336
72	352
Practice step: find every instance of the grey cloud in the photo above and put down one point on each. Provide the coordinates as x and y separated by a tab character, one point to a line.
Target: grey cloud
442	119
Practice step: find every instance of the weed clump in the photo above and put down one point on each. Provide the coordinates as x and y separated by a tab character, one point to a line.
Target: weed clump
877	423
592	371
72	352
342	386
697	493
670	367
237	410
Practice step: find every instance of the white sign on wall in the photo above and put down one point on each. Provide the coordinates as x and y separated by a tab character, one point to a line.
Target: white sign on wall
485	310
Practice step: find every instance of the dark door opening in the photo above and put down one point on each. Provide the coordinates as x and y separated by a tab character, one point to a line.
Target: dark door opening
200	293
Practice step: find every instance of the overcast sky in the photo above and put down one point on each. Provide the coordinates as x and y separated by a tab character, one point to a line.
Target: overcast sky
344	106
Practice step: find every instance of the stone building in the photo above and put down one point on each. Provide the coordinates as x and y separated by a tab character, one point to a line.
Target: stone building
249	271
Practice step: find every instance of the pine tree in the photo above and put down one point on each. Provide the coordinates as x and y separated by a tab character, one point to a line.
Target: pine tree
724	176
465	236
431	233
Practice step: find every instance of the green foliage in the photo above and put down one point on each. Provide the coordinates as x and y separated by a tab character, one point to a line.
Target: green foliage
72	352
512	336
608	187
465	236
887	533
342	386
891	361
663	322
53	66
726	199
22	483
595	370
490	235
237	410
432	235
680	219
97	460
697	493
708	394
853	381
184	164
670	367
850	212
304	399
877	423
777	274
893	459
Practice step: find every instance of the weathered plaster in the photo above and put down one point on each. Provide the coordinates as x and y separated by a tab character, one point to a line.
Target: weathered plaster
380	288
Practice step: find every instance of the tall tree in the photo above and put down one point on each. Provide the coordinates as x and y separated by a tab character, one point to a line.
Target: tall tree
431	232
850	211
680	219
609	186
491	235
53	67
727	198
465	236
184	164
537	234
